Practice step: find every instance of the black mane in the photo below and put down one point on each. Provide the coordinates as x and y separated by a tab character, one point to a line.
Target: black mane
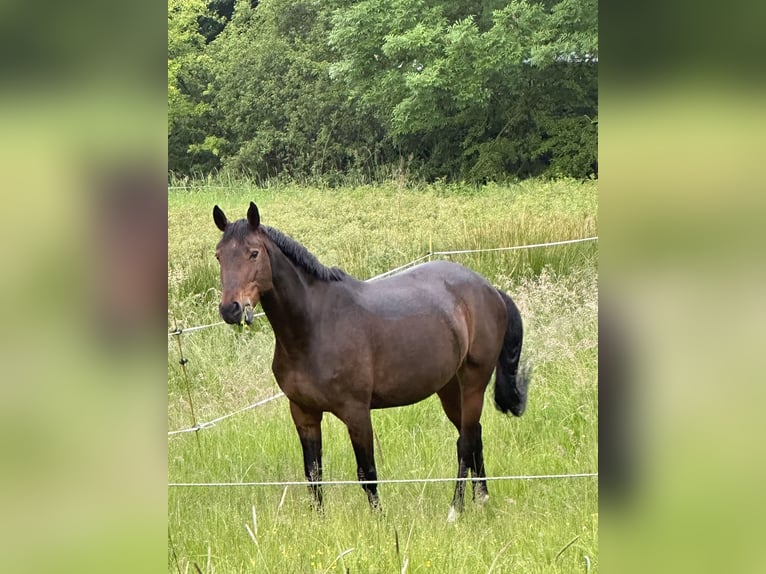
293	250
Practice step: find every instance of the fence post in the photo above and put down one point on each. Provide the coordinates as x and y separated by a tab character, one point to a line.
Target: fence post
182	361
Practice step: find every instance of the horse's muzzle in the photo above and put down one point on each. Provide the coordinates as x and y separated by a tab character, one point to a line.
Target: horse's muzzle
231	312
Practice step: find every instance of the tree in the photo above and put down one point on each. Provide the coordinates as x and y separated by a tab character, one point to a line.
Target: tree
190	147
468	89
284	114
472	94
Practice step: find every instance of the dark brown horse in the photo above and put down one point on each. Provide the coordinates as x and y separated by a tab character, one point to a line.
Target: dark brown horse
346	346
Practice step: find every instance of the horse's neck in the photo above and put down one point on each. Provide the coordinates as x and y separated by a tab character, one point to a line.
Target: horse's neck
288	305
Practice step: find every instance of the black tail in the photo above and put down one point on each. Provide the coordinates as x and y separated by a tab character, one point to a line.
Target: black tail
511	383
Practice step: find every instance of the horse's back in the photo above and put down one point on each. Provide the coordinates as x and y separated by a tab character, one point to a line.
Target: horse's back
434	275
438	285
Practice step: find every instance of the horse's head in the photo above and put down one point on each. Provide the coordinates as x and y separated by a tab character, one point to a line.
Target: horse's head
245	266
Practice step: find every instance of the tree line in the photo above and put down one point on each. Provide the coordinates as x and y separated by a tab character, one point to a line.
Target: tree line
476	90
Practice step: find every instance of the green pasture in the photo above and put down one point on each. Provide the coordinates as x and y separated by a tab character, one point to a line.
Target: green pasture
527	526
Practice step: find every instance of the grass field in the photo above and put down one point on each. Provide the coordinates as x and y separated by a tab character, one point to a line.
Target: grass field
527	526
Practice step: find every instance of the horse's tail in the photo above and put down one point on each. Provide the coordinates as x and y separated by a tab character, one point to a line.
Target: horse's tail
511	382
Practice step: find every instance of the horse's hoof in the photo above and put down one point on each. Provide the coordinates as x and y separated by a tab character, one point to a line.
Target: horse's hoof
453	514
374	501
481	499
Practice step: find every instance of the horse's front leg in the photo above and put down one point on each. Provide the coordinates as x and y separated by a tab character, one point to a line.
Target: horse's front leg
309	426
360	430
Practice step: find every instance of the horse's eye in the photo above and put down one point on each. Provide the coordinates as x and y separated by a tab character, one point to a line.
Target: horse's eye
217	256
254	254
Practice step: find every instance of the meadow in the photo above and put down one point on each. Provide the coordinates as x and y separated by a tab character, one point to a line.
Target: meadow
548	525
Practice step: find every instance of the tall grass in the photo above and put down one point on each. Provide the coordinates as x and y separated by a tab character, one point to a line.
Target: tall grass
368	230
526	526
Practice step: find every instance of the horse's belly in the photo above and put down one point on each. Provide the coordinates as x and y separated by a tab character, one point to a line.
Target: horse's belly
407	388
383	401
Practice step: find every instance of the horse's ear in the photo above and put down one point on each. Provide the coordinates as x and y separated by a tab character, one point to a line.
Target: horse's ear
220	218
253	217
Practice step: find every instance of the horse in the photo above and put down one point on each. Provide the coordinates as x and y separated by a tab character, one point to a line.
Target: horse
347	346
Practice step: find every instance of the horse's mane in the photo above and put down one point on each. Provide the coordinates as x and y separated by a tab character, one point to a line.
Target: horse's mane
294	251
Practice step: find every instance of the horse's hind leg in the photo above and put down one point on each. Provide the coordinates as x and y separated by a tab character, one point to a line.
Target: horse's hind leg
309	426
473	382
480	493
449	396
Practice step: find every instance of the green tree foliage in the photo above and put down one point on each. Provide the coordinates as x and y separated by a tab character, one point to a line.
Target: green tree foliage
284	114
479	90
191	148
218	14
